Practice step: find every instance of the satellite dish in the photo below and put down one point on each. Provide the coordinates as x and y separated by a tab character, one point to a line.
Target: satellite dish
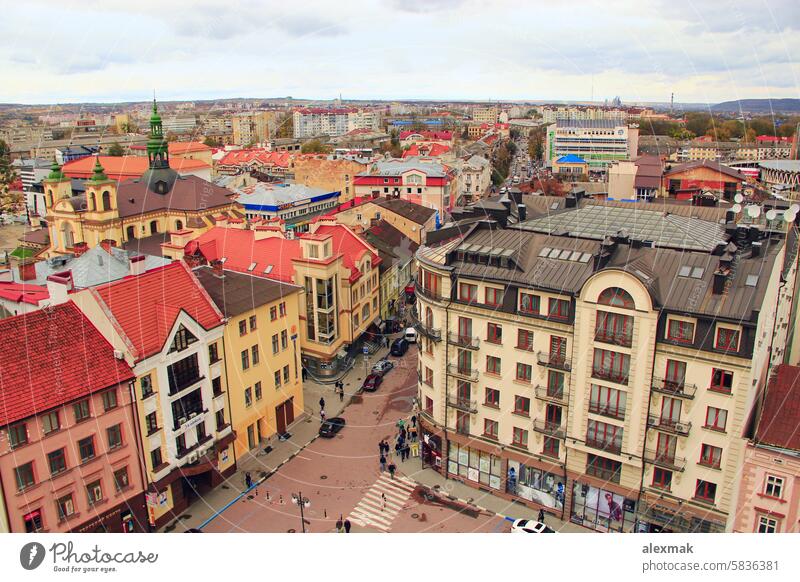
753	211
737	208
738	198
772	214
794	208
789	216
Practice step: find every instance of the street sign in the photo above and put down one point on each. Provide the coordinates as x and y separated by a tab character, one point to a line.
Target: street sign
365	350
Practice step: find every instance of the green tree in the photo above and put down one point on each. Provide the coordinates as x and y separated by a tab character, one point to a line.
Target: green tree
698	122
211	142
285	127
314	146
7	173
116	150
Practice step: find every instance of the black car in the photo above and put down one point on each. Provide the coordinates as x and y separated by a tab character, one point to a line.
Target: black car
399	347
372	382
330	427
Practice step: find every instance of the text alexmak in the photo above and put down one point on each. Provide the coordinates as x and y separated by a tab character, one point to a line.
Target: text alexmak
656	549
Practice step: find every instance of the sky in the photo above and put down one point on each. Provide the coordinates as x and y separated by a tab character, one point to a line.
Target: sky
705	51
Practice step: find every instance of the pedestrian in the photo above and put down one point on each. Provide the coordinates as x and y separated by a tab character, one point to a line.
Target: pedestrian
383	500
347	526
413	435
383	463
380	448
321	403
248	479
322	415
339	525
407	451
341	393
397	448
414	421
392	469
541	515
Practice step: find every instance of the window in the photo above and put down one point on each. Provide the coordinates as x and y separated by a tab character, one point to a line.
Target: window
284	339
467	292
57	461
255	358
155	458
282	308
94	492
114	435
710	456
243	327
773	487
24	474
278	379
490	428
86	449
464	330
464	362
17	435
680	331
81	410
428	377
273	313
151	421
520	437
33	519
286	374
529	303
607	401
121	480
147	386
525	340
716	418
675	374
180	444
216	386
613	366
767	524
257	391
494	296
721	381
494	333
109	399
555	384
429	406
65	506
551	447
603	468
558	308
522	405
248	397
493	365
492	398
183	339
50	422
705	491
614	328
252	323
604	436
616	297
524	372
275	344
183	374
245	359
727	339
662	478
220	419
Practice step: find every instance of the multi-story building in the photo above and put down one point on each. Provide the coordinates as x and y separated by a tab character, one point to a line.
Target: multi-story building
32	171
396	251
474	178
413	220
416	180
485	114
600	362
686	181
599	142
295	204
254	126
552	114
170	332
69	450
261	351
318	121
328	173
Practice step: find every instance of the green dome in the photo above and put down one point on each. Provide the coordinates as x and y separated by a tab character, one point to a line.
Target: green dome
98	174
55	172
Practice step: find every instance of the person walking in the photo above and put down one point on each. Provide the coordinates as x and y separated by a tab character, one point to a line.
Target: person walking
248	480
383	501
414	421
321	403
339	525
383	463
392	469
322	415
407	451
541	515
341	393
347	526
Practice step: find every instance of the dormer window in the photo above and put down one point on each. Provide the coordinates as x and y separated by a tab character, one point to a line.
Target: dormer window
183	339
161	187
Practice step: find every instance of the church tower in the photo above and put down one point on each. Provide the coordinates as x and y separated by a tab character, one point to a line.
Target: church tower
101	195
56	186
160	178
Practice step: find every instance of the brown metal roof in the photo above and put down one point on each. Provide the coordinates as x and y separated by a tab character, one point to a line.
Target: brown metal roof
236	293
187	193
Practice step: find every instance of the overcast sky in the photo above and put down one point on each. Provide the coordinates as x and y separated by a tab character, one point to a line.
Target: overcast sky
642	50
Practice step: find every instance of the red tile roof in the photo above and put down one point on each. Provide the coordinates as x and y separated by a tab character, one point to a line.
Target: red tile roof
185	147
247	156
23	292
51	357
125	167
429	135
780	417
146	306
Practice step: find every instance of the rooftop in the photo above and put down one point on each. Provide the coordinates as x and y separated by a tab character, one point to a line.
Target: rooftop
236	293
413	212
267	194
125	167
780	416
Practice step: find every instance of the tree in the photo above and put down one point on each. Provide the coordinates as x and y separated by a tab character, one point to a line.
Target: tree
211	142
116	150
7	173
314	146
698	122
285	128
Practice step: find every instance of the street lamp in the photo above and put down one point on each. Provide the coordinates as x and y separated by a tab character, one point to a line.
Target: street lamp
301	502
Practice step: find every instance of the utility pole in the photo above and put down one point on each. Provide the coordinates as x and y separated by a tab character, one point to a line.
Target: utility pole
302	502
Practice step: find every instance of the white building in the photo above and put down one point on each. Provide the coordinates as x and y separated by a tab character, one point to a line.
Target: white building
317	121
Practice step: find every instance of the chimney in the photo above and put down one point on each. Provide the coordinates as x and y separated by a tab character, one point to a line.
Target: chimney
107	243
570	202
216	267
58	287
720	276
730	216
136	265
27	270
756	249
79	248
522	212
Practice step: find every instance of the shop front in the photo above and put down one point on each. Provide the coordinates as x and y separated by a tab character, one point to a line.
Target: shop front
602	509
477	467
431	450
660	515
128	517
540	486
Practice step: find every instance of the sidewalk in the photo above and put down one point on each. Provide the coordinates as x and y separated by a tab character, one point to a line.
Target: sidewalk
262	465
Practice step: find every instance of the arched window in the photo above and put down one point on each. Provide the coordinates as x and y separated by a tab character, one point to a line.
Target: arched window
106	200
616	297
428	317
154	227
50	197
92	202
131	232
68	235
178	225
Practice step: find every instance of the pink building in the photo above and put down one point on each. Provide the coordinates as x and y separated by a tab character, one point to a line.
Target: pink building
769	492
69	457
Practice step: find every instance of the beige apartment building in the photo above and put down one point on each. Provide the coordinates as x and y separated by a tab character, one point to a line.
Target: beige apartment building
254	126
604	375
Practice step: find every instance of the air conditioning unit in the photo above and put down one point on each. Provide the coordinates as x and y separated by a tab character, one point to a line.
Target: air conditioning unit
193	457
192	414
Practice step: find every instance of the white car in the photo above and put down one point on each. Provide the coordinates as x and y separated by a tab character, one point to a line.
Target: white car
530	526
382	366
411	335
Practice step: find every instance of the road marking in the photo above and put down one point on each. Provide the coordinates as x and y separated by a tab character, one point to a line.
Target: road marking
373	511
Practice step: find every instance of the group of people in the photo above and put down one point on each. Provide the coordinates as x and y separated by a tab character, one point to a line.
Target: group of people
405	435
343	526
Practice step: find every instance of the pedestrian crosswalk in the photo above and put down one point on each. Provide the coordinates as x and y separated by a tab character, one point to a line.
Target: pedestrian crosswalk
382	502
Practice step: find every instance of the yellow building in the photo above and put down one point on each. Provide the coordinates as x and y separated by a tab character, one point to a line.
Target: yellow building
254	126
327	174
262	352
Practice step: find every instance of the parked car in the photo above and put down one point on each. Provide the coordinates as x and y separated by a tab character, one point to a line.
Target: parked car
411	335
372	382
399	347
331	426
382	367
530	526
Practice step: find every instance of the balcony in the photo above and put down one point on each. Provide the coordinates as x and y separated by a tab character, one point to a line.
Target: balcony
610	376
672	388
460	372
463	341
464	404
605	474
669	425
430	332
549	395
618	339
552	429
429	293
553	361
178	384
665	460
607	447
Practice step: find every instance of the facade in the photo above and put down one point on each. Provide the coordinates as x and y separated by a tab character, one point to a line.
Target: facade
294	204
571	167
32	172
413	220
552	114
329	174
397	256
170	332
685	181
485	114
601	378
254	126
265	384
474	178
317	121
69	458
636	180
235	162
599	142
423	182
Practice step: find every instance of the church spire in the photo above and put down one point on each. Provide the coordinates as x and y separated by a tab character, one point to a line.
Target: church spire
98	173
157	149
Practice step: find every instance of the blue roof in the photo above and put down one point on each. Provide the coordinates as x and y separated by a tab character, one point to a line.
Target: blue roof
570	159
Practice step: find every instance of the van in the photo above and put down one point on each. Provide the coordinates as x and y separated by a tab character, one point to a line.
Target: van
411	335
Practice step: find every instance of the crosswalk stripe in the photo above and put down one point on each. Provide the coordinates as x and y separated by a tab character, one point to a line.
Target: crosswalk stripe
377	507
374	516
371	509
399	489
393	508
371	522
397	484
389	492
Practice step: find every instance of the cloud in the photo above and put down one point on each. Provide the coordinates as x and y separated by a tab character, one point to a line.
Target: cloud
426	6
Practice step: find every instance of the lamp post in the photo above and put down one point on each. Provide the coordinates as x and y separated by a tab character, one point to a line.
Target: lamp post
301	502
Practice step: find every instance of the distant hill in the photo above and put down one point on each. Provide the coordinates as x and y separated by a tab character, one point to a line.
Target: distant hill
760	105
